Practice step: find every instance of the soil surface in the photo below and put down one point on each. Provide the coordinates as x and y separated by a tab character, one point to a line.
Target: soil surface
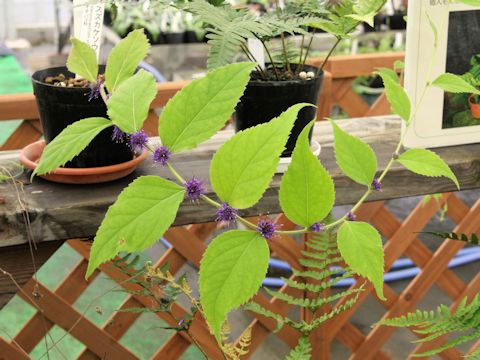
64	81
269	74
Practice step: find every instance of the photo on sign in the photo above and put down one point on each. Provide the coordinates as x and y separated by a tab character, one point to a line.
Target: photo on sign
442	118
463	58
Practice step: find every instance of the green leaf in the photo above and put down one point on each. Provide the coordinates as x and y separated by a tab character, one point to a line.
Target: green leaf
396	95
368	18
361	248
356	158
399	65
427	163
302	351
231	272
140	216
200	109
392	74
124	59
243	167
307	193
69	143
83	61
128	106
454	84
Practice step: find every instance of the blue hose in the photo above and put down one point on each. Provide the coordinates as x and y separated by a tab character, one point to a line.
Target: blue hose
402	268
153	70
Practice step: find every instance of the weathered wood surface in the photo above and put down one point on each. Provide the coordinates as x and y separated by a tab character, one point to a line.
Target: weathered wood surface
64	211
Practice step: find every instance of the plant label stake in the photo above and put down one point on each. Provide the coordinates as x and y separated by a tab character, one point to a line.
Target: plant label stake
88	22
256	49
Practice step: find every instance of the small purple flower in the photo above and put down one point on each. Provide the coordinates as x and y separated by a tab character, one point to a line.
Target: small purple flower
317	227
351	216
138	141
377	185
226	214
194	189
161	155
118	135
266	228
94	90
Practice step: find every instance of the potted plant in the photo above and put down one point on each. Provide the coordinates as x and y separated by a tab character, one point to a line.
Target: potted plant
306	194
285	79
84	92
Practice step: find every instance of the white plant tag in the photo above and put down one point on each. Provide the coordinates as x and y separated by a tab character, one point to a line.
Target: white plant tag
256	49
88	22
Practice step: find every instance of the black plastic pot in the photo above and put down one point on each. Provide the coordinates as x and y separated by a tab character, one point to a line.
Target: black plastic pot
190	37
61	106
174	38
264	100
397	21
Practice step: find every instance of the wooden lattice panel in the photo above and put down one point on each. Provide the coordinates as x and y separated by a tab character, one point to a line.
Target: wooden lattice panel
188	244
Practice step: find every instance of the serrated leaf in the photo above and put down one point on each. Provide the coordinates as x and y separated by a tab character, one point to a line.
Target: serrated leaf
124	59
69	143
231	272
140	216
426	162
83	60
361	248
128	106
243	167
307	193
454	84
355	157
396	95
200	109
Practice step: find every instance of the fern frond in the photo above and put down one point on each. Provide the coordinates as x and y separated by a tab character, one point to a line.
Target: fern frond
311	304
434	325
472	239
228	30
301	351
235	352
316	288
259	309
319	275
474	355
316	264
451	344
416	318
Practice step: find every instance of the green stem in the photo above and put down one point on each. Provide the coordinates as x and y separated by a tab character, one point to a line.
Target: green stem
271	60
330	53
307	51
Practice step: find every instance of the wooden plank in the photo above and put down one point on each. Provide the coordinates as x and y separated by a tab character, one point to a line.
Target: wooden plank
62	211
172	349
18	106
25	134
420	285
17	261
69	290
72	321
10	351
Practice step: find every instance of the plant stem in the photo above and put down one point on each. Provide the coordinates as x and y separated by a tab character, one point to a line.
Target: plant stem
301	55
320	68
271	59
307	50
253	59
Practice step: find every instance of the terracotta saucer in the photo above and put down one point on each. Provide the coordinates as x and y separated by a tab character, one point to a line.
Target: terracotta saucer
30	155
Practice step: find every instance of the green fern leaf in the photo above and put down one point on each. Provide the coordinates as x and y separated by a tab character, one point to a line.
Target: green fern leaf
472	239
301	351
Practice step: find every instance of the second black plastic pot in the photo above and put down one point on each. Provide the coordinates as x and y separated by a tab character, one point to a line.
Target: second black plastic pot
62	106
265	100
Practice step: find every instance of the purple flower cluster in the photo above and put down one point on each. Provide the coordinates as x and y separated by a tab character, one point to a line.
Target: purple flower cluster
351	216
94	90
266	228
194	189
138	141
161	155
377	185
318	227
118	135
226	214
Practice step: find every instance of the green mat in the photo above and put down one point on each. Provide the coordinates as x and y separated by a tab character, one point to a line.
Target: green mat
13	80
